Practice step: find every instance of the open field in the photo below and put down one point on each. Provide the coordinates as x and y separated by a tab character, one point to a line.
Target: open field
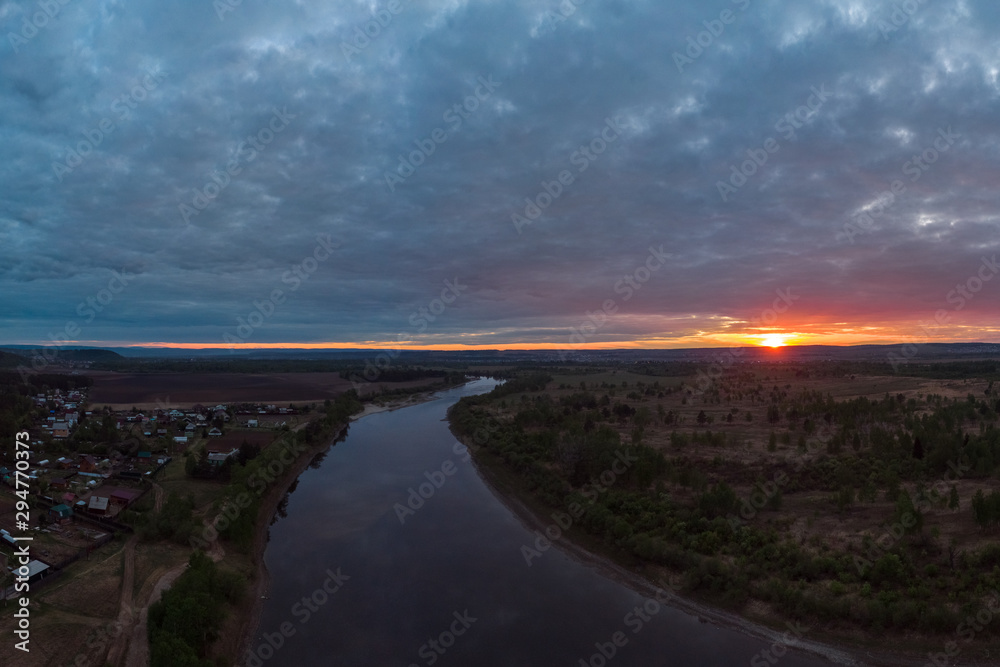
175	390
173	479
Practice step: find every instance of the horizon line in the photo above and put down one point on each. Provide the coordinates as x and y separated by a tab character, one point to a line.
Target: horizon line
459	347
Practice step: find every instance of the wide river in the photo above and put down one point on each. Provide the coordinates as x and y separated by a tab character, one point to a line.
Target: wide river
353	585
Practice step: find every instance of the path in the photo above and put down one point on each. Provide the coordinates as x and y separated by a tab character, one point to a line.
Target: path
138	637
126	612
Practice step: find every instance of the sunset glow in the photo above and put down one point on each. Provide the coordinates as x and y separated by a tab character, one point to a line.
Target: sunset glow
774	339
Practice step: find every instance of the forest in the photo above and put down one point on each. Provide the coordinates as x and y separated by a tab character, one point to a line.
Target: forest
857	510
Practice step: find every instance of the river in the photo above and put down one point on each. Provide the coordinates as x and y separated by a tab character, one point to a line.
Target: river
357	579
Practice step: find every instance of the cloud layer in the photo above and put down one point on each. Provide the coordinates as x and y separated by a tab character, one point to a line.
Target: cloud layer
424	142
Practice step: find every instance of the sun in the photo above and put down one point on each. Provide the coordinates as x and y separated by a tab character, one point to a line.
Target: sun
774	339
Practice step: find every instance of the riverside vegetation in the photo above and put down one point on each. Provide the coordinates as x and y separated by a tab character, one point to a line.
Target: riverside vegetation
830	493
188	618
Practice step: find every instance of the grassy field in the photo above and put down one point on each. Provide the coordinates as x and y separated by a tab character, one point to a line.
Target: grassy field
173	479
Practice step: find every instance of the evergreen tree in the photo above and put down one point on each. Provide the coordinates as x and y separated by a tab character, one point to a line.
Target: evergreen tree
953	498
980	511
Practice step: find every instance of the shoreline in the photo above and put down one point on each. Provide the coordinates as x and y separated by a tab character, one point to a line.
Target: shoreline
250	623
409	401
830	647
532	516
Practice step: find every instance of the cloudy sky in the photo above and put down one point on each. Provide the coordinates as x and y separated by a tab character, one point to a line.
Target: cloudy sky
819	171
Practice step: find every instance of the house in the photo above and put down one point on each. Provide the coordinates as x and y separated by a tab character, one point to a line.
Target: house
181	439
59	483
88	463
60	513
60	430
189	429
220	450
72	418
214	433
68	498
123	497
36	570
217	458
98	505
252	423
220	414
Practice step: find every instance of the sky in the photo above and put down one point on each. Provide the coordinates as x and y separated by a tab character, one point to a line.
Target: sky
499	174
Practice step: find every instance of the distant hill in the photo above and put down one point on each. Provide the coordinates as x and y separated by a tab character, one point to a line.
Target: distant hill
924	352
25	353
11	360
120	357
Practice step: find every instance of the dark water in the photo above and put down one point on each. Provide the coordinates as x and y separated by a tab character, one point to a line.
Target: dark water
453	572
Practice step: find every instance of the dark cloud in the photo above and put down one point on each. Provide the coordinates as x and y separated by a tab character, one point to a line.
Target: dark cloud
176	96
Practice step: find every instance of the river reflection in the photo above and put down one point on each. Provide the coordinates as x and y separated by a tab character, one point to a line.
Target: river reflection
448	586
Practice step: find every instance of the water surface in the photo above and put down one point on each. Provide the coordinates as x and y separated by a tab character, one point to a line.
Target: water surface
455	564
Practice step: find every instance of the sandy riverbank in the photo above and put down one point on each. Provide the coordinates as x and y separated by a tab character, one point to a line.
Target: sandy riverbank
415	399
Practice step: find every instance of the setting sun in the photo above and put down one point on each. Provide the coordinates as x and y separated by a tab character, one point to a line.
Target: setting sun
774	339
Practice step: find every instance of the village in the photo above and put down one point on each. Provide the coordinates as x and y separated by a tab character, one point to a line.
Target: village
89	466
